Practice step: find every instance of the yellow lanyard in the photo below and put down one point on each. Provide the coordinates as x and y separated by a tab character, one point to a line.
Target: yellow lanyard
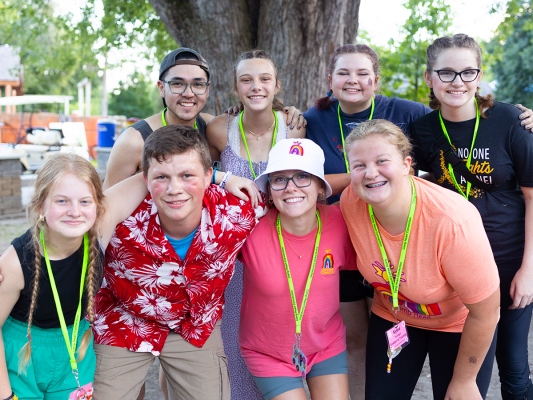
450	168
395	283
70	347
342	133
165	122
246	145
298	316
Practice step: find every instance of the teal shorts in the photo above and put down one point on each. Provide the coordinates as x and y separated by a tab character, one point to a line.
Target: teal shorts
48	375
274	386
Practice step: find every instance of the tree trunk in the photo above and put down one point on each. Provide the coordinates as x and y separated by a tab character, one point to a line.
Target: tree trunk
299	34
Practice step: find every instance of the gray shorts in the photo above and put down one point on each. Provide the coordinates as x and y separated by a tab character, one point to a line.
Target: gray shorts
274	386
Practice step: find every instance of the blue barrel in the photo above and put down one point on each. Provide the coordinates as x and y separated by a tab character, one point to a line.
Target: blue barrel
106	132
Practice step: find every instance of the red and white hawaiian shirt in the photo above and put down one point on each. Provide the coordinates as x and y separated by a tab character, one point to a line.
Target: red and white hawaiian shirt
148	290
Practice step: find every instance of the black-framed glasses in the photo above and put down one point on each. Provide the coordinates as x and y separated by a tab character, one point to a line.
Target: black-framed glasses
179	87
280	182
468	75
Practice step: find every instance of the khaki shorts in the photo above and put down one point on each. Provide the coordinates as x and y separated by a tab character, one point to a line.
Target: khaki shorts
192	373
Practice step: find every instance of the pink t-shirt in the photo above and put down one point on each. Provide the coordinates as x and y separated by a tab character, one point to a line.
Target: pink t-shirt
267	328
448	264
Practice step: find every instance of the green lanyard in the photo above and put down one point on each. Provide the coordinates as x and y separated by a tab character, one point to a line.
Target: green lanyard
342	133
71	348
246	145
450	168
165	122
395	283
298	316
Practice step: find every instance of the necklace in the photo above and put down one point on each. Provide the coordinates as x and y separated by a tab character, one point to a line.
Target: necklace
259	135
305	251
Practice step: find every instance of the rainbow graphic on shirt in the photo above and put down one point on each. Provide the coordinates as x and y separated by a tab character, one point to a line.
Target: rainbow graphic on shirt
297	149
407	305
327	263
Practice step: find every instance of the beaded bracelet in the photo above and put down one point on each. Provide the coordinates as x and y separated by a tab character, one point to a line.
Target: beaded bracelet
12	397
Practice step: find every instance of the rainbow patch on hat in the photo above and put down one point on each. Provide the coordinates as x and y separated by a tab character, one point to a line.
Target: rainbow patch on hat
297	149
327	266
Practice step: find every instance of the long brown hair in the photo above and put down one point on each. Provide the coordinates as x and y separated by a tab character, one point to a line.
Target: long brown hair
325	102
48	176
277	103
458	41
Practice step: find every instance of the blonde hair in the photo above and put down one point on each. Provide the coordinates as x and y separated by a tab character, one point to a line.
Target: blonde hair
386	129
48	176
458	41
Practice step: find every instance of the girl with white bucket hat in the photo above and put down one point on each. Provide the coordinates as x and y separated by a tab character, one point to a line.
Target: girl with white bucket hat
291	326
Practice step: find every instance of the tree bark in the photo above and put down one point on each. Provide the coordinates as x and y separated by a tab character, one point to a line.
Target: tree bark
299	34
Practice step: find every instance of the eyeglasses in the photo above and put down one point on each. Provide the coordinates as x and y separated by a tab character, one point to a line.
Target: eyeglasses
179	87
280	182
468	75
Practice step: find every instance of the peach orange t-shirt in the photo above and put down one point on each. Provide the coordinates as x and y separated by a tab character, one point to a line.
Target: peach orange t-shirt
449	261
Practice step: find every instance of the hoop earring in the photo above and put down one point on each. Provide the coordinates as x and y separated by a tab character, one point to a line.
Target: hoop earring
271	202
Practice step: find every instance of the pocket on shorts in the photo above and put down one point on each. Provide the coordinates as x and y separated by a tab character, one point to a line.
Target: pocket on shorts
222	360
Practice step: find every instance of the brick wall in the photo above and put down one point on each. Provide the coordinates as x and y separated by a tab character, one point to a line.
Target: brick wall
10	186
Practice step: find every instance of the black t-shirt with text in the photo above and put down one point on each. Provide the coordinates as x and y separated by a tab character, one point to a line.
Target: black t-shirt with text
503	151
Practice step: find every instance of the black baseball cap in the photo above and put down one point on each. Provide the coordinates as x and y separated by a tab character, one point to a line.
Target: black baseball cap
176	57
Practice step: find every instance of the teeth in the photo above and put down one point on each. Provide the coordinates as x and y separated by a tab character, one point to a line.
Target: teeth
176	202
257	97
352	90
187	104
376	185
294	200
456	92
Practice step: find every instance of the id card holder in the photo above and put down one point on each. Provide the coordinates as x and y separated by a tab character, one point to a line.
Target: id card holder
299	360
397	339
82	393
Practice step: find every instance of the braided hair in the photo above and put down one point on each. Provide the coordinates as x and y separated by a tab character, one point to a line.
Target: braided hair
48	176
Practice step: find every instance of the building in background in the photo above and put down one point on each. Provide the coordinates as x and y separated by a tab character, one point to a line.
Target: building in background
11	77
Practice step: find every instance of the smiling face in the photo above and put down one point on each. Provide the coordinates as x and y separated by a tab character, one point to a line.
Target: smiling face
185	106
353	81
70	208
378	171
456	94
177	186
256	83
294	202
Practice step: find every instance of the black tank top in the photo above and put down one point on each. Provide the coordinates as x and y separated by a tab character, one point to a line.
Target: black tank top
67	275
145	130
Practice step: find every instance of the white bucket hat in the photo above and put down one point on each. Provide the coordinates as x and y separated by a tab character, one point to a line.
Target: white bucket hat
300	154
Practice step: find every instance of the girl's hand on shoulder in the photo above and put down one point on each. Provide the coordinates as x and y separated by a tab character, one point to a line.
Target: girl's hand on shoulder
526	117
459	390
234	110
294	117
522	288
236	184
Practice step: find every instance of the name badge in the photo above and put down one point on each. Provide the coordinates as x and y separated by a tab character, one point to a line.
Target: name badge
398	339
82	393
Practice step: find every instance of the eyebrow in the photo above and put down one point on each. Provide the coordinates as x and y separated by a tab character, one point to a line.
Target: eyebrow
467	68
177	78
358	69
261	74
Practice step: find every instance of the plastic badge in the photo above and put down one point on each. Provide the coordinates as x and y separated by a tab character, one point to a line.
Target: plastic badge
299	360
397	337
83	393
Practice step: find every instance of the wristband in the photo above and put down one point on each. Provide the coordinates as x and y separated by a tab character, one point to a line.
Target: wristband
216	167
226	177
12	397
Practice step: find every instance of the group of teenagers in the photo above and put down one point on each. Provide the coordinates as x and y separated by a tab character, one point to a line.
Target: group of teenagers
240	269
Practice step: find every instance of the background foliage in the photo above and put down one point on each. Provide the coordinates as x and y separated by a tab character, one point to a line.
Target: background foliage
57	52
